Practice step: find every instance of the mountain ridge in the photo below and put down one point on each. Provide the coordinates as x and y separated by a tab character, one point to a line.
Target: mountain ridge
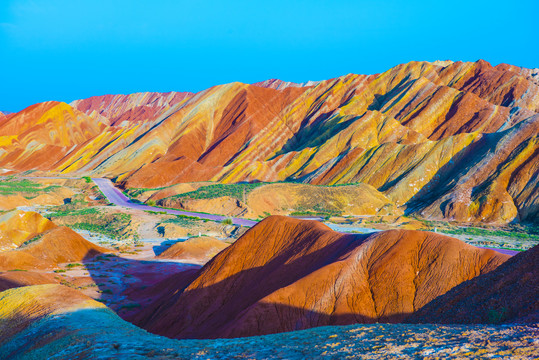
404	131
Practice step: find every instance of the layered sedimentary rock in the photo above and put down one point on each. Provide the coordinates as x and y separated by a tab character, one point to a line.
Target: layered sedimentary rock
286	274
452	140
507	294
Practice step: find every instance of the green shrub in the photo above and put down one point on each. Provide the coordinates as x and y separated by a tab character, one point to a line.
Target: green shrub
227	221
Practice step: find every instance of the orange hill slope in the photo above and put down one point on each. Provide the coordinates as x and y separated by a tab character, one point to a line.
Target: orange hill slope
467	130
508	294
18	226
50	244
286	274
198	249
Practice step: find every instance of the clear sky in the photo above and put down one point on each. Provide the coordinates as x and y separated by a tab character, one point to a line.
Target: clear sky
68	49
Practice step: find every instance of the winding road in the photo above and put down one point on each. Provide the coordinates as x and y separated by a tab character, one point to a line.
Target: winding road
115	196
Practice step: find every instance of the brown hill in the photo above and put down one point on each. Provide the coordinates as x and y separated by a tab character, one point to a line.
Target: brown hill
286	274
199	249
508	294
57	245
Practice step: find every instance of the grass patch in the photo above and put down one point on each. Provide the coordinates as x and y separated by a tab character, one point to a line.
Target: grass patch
79	212
32	240
24	187
218	190
474	231
183	220
72	265
111	225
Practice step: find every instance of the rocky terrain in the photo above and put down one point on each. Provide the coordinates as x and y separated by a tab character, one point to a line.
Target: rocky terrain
444	140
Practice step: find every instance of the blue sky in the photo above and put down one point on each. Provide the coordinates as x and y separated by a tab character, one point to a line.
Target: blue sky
68	49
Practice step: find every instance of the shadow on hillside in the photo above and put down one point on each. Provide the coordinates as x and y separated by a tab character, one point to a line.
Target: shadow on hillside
448	176
159	249
210	311
125	284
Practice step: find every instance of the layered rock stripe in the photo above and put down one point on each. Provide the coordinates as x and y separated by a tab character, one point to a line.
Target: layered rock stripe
445	140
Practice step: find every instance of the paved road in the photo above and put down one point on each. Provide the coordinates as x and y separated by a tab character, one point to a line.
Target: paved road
116	197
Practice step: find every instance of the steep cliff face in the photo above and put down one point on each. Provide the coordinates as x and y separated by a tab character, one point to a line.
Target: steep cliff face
466	130
287	274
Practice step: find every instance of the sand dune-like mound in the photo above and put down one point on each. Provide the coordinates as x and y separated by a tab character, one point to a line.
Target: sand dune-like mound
286	274
199	249
508	294
59	245
18	226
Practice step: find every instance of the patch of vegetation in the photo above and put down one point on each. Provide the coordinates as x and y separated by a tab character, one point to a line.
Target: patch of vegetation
60	271
218	190
497	316
316	210
227	221
112	225
136	192
474	231
24	187
32	240
72	265
68	284
156	212
129	306
78	212
17	270
183	220
87	179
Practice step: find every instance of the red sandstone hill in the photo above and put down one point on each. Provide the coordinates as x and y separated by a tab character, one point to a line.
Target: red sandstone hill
446	140
286	274
508	294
